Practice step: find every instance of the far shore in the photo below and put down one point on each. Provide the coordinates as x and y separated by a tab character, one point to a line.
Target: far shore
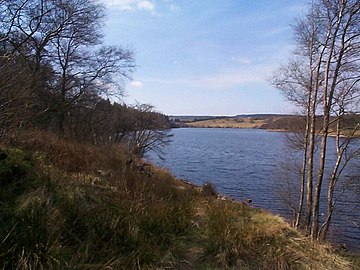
271	123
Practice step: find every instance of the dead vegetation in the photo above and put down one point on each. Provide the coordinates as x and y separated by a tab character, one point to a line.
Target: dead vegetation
67	205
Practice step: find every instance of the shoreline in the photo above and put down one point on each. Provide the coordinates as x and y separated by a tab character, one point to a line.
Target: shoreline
330	134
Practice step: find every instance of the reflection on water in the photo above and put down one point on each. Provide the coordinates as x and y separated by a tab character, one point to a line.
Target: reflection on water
249	163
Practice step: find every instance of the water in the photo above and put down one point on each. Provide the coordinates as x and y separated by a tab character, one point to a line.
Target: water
249	164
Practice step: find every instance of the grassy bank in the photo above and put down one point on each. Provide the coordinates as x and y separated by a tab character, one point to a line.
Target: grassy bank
66	205
270	122
290	123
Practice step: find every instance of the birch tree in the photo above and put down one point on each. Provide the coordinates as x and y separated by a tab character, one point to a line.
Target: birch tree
328	39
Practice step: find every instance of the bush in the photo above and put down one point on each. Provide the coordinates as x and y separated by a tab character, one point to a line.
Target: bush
209	189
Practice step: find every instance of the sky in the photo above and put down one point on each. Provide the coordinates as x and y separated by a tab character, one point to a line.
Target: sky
205	57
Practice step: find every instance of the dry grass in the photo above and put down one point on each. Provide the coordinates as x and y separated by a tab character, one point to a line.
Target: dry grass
66	205
271	123
229	123
238	237
71	156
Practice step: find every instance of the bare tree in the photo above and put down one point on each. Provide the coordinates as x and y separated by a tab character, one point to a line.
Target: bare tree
83	76
148	130
14	71
61	41
328	40
293	81
343	20
15	97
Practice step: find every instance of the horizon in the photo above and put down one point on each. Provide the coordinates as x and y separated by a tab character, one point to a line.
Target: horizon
233	115
205	57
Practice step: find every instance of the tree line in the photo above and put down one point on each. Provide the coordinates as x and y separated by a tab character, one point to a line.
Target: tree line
322	78
57	74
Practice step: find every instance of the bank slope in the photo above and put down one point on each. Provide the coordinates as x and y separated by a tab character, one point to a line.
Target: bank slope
66	205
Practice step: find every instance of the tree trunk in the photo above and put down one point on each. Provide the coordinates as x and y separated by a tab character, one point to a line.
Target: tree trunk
303	176
305	158
319	180
328	97
335	175
310	164
330	205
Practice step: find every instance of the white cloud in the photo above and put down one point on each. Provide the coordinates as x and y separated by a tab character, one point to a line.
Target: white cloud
137	84
147	5
119	4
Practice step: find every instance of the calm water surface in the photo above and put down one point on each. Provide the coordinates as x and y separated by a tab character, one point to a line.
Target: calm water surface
248	164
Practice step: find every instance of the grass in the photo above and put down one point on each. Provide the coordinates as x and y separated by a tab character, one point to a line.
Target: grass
66	205
228	123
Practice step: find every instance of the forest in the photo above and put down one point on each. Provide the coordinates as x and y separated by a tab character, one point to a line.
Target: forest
57	75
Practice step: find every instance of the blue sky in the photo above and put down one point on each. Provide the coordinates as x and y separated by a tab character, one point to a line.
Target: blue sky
205	57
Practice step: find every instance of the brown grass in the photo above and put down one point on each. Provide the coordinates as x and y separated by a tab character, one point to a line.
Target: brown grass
93	207
228	123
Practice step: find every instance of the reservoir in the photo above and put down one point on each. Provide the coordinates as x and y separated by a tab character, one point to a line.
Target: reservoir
258	165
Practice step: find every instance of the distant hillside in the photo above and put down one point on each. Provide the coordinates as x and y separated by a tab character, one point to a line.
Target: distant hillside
193	118
259	115
262	121
275	122
196	118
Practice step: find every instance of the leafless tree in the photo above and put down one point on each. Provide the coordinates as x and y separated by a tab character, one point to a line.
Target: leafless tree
147	131
83	76
14	72
341	55
61	41
15	97
325	81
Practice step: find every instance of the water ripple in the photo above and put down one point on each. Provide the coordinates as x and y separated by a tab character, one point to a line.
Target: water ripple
247	164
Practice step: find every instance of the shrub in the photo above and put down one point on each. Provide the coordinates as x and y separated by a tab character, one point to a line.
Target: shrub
209	189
